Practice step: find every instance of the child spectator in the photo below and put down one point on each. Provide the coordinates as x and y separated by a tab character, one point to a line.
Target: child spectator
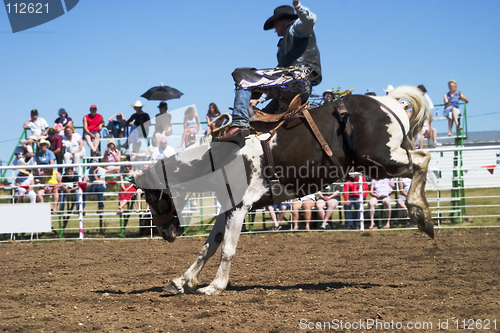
191	125
25	182
116	127
62	121
92	125
127	190
163	125
37	125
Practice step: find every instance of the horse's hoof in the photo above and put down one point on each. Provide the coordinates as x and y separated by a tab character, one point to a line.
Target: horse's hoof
429	229
173	289
209	290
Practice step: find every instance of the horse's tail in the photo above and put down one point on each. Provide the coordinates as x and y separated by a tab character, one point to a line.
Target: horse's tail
421	110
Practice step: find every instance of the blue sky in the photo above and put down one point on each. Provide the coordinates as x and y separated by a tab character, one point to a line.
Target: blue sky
110	52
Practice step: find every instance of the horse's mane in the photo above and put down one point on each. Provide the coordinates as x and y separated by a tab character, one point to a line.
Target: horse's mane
421	110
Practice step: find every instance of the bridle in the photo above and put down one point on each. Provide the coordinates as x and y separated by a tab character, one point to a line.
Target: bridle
173	213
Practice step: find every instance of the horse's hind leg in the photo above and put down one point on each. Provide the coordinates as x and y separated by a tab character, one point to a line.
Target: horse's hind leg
418	208
189	280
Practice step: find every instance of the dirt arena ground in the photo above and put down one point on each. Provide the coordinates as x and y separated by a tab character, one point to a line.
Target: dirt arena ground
279	283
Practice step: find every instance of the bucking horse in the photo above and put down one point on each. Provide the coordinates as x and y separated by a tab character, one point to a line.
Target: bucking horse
288	157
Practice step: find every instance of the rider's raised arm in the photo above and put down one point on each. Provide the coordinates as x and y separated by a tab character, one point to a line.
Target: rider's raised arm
304	26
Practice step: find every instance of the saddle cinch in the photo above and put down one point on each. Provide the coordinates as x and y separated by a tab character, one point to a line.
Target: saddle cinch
295	110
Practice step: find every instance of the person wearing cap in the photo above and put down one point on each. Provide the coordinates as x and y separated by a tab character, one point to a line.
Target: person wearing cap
139	123
298	69
328	96
92	125
45	155
117	127
62	121
25	182
111	154
163	123
36	124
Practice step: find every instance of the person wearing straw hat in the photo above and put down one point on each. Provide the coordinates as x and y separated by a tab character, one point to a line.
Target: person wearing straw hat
92	126
45	155
111	154
24	185
139	124
298	69
388	89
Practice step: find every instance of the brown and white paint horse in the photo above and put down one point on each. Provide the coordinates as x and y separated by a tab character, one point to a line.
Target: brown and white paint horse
378	143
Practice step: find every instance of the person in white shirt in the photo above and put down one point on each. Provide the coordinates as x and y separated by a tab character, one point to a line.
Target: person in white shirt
36	124
381	193
163	150
25	182
72	146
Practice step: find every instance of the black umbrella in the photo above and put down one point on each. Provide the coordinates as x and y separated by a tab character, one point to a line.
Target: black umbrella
161	93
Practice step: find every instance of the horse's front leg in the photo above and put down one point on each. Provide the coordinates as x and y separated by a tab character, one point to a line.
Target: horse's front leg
233	231
416	202
189	280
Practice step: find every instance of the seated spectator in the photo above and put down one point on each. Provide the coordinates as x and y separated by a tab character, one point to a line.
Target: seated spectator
37	125
451	103
127	190
92	125
24	152
163	150
426	130
24	185
330	202
306	203
62	121
117	127
163	125
282	207
328	96
381	193
52	180
191	126
56	146
95	178
403	186
69	188
139	120
352	200
73	149
213	112
111	154
45	155
137	155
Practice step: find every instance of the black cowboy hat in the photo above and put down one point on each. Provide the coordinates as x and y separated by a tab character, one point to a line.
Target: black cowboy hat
280	12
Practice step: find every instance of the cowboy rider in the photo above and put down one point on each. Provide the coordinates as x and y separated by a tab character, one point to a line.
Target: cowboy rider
298	68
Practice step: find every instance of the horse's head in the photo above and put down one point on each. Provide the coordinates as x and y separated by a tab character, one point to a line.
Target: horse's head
161	203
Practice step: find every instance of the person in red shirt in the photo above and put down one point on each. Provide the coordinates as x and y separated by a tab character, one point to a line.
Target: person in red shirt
92	125
351	200
56	146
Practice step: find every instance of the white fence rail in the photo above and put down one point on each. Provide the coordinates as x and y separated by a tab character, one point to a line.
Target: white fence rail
477	201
